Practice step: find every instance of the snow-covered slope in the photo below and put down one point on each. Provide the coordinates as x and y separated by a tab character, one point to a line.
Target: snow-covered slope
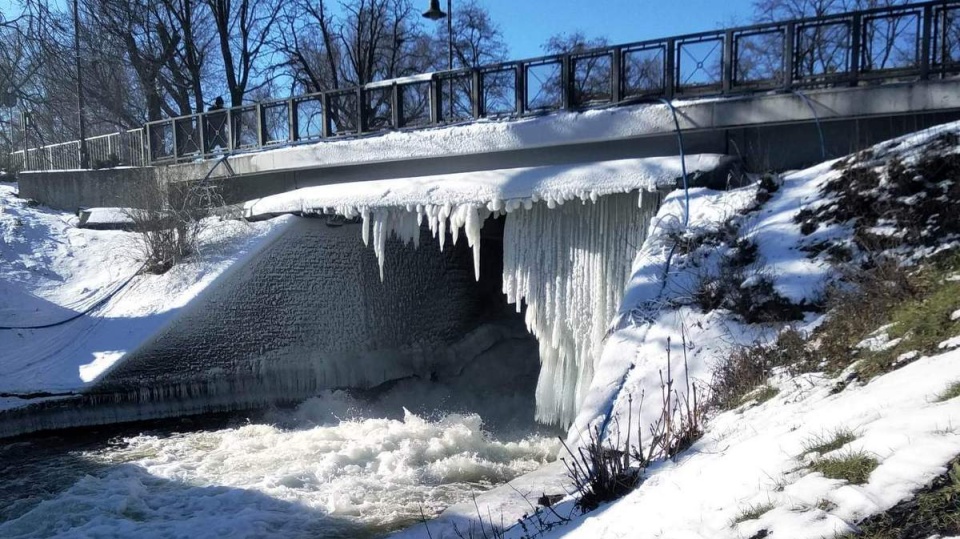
753	457
50	271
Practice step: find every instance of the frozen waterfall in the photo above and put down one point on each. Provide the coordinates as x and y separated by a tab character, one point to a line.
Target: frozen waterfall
568	262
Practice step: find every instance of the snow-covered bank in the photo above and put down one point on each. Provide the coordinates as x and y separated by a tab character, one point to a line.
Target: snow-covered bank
50	270
750	475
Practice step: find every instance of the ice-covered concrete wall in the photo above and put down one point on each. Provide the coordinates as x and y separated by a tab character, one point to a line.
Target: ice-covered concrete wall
309	312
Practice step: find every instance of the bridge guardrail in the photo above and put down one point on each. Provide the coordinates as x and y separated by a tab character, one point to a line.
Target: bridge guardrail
124	148
906	42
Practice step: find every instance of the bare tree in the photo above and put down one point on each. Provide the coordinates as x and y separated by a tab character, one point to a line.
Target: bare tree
591	74
825	49
243	29
477	39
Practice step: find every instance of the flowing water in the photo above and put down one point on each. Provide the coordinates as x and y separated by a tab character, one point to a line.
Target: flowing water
338	465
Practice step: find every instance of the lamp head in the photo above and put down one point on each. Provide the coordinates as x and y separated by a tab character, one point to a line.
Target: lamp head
434	13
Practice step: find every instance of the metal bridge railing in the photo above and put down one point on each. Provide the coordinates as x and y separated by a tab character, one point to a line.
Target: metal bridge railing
908	42
125	148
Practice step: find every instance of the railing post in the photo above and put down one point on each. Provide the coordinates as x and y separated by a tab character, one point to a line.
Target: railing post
789	56
436	100
326	129
396	109
202	129
728	62
173	129
670	69
145	147
925	41
293	120
261	125
477	97
567	99
944	43
521	88
856	47
233	136
362	125
616	75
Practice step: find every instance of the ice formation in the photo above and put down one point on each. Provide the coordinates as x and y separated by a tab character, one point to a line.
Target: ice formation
567	262
570	265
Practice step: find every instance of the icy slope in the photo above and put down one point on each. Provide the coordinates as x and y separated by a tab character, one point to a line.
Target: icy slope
50	270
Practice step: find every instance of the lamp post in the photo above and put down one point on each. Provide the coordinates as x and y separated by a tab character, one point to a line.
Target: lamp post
84	156
434	13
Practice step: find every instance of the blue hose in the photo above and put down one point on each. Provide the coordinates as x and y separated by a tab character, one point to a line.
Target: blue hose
666	271
816	117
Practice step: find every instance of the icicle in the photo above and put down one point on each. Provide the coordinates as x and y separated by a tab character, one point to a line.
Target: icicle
569	265
365	231
472	227
380	237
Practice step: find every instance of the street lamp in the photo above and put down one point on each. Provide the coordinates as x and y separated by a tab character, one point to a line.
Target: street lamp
435	14
84	156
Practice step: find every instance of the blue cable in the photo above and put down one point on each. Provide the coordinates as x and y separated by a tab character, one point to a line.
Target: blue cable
816	117
666	271
683	160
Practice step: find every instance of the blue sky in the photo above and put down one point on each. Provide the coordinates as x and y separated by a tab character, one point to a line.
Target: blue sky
527	24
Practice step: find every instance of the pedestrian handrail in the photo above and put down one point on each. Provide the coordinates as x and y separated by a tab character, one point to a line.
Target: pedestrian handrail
907	42
124	148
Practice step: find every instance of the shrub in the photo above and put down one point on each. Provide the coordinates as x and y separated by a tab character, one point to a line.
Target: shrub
169	220
744	372
603	473
110	161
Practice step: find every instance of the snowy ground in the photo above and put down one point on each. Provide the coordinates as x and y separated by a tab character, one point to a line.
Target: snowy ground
751	457
50	270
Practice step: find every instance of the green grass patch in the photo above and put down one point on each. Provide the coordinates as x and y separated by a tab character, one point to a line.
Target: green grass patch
952	392
766	393
934	511
761	395
752	512
854	467
921	323
829	442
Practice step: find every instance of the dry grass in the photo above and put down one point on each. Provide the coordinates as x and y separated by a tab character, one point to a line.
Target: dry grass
602	473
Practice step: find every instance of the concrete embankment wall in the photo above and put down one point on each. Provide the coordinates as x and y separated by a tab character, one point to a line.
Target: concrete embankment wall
308	313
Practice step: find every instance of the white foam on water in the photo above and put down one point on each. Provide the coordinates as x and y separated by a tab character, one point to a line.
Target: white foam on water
352	477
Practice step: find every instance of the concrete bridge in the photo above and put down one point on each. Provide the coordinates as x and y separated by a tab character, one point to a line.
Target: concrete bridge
890	71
